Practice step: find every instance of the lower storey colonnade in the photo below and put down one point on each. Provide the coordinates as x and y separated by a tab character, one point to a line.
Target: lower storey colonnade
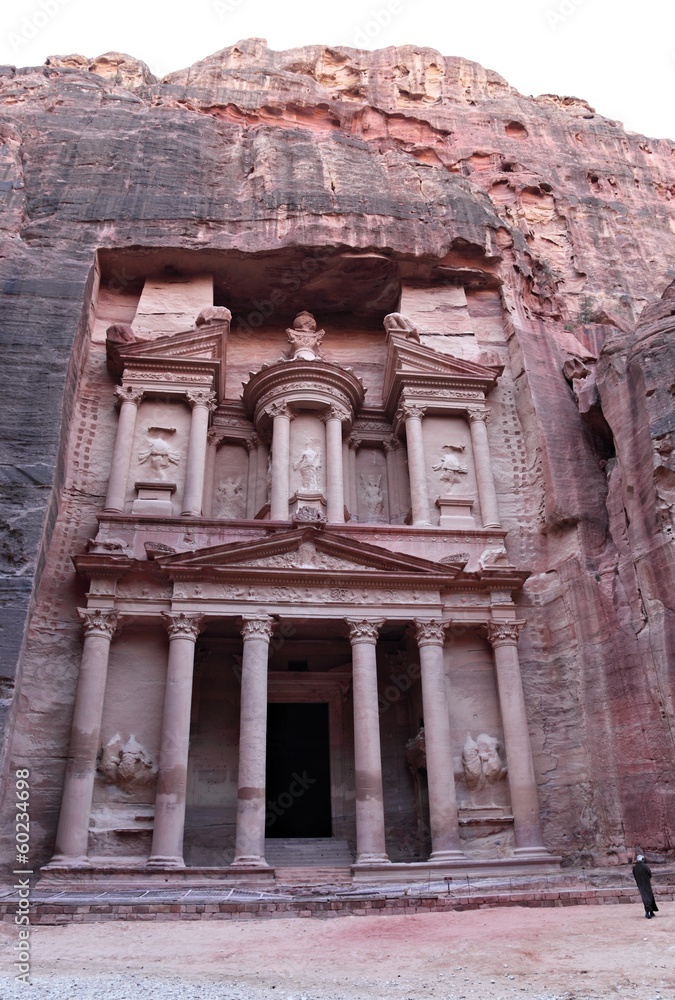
431	696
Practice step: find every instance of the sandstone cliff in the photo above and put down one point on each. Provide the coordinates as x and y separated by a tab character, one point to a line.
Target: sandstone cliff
431	162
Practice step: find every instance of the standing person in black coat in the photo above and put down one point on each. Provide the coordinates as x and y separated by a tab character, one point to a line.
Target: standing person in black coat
643	876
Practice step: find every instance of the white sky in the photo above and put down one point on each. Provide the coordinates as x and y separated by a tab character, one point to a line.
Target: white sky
619	55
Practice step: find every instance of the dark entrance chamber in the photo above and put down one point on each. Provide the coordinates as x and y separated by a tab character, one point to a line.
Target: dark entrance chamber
298	771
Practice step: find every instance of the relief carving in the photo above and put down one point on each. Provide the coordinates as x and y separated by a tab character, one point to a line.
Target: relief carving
127	764
371	491
481	762
304	338
231	498
158	454
309	466
398	323
450	465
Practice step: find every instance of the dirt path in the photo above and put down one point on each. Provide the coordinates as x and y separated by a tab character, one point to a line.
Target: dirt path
578	952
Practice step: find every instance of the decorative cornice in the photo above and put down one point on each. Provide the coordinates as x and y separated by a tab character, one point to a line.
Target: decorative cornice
96	622
363	630
503	633
182	626
429	633
257	627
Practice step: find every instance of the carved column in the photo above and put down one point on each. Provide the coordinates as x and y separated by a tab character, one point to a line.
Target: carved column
252	443
85	738
250	834
391	448
213	439
335	492
281	456
121	459
483	466
503	637
167	838
354	445
370	839
202	404
419	491
443	817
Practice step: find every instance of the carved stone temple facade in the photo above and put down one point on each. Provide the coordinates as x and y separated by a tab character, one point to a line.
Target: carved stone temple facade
299	628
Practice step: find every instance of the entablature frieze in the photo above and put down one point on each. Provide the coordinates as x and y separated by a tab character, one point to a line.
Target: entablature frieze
165	382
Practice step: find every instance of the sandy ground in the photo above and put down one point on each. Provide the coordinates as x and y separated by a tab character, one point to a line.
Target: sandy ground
571	953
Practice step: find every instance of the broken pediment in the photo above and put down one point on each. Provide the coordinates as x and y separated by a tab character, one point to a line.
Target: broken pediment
310	551
203	347
410	364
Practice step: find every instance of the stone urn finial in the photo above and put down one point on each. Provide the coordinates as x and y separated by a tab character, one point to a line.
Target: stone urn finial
304	338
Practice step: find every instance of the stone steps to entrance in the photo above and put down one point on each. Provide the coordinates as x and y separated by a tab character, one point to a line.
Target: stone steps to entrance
308	852
312	876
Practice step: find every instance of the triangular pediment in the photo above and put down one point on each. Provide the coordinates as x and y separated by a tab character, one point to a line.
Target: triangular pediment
308	552
408	362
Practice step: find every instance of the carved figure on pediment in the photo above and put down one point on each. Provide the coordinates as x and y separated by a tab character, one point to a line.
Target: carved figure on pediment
398	323
127	764
481	762
230	495
306	513
371	489
309	466
304	338
213	314
110	545
450	465
158	454
496	556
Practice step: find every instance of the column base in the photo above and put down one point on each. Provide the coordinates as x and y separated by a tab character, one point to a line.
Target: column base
161	861
371	859
451	855
537	851
492	524
249	861
69	861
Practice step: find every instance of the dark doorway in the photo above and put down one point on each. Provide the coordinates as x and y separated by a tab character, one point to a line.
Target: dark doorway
298	771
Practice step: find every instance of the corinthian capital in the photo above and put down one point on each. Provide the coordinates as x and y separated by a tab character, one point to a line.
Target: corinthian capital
278	409
503	633
361	630
408	410
97	622
477	413
257	627
182	626
201	397
128	394
335	412
430	633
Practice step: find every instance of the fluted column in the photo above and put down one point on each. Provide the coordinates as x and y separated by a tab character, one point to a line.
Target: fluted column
503	637
167	838
391	448
335	492
419	491
121	460
370	838
443	817
85	737
483	466
281	455
252	443
250	834
202	403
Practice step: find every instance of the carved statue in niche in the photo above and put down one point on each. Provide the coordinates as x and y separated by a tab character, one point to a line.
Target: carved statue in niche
450	465
230	496
304	338
127	764
481	762
309	467
398	323
158	454
371	489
